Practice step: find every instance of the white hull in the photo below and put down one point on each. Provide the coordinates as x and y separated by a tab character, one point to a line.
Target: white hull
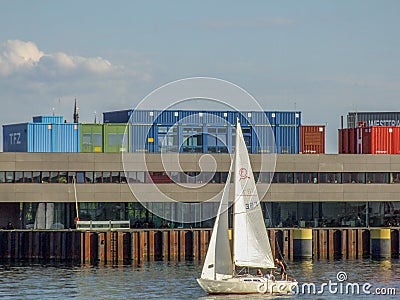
247	285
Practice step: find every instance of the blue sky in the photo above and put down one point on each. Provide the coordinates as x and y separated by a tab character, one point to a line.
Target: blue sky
323	57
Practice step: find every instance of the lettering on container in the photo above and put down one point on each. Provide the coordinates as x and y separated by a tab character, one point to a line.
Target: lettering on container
15	138
383	123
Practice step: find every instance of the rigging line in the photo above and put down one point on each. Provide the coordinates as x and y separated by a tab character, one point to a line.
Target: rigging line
277	244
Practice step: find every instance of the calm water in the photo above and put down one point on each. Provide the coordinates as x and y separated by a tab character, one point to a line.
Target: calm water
165	280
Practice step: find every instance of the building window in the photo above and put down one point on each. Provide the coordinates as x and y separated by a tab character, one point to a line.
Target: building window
27	177
355	177
217	140
2	177
19	177
283	177
89	178
330	177
380	177
192	139
106	177
167	139
115	178
306	177
45	177
395	177
98	177
36	178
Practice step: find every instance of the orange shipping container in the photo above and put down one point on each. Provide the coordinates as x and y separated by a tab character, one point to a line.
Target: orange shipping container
312	139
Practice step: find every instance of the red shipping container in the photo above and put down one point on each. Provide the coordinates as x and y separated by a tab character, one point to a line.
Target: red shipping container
312	139
396	140
381	140
344	141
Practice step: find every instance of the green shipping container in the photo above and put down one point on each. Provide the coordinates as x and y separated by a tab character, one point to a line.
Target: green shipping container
115	138
91	137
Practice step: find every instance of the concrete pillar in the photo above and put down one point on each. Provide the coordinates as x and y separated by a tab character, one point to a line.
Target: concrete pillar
302	243
380	242
40	218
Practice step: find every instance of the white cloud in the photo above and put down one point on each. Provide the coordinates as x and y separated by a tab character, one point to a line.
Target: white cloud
19	56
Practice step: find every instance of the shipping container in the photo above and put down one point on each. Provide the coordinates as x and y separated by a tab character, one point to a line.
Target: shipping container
369	140
312	139
41	137
396	140
115	137
143	117
119	116
347	141
263	139
378	140
190	117
287	139
91	137
369	119
143	139
48	119
15	137
288	118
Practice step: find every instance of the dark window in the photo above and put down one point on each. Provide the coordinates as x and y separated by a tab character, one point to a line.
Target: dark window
115	177
19	177
36	177
9	177
395	177
379	177
106	177
71	176
2	177
45	177
355	177
283	177
54	177
330	177
98	177
28	176
89	177
306	177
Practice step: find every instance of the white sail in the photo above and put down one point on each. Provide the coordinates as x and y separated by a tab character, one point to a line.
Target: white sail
218	262
251	244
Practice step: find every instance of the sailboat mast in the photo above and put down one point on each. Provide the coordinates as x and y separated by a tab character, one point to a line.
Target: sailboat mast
234	193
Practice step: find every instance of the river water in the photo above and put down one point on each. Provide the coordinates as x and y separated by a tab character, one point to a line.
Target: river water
177	280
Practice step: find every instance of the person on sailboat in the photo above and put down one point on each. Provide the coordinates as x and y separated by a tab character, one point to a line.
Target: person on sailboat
283	266
259	273
269	275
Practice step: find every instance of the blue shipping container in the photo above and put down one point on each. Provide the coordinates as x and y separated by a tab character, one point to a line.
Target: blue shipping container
287	139
41	137
15	137
48	119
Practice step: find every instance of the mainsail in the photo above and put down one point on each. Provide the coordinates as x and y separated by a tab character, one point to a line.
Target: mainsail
251	244
218	262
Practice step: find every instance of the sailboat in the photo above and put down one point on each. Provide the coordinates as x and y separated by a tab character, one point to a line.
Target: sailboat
251	247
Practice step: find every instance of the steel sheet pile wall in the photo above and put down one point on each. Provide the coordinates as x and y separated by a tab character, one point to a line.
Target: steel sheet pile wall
312	139
370	140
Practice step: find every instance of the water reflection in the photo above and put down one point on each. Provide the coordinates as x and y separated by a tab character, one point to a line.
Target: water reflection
175	280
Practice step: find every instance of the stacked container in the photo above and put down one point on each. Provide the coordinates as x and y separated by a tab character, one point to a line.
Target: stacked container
145	126
42	136
370	140
312	139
